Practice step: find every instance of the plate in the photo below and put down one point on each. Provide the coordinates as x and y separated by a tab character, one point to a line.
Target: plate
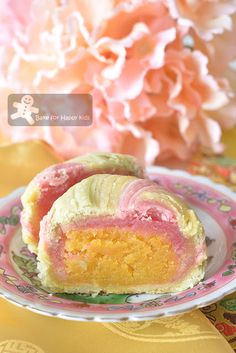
216	207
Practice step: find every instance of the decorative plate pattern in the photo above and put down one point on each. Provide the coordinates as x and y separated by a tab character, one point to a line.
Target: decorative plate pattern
216	207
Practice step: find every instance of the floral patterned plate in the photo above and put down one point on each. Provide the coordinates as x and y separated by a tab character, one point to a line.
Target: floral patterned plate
216	207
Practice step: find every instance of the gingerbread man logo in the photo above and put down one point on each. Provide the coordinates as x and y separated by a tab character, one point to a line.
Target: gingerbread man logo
25	109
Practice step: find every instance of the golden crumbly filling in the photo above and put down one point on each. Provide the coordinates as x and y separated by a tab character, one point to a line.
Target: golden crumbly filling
117	257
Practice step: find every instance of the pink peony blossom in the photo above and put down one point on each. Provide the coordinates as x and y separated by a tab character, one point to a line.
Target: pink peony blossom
223	50
221	53
184	99
208	17
152	97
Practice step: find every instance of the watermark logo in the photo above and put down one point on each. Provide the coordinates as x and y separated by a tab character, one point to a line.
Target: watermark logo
25	109
50	109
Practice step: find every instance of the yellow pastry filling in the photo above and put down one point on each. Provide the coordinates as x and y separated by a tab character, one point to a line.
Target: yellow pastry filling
116	257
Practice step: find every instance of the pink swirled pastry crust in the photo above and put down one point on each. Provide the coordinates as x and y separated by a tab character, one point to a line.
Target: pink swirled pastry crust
52	182
120	234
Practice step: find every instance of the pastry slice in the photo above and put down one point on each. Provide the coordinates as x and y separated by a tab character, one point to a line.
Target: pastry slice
52	182
120	234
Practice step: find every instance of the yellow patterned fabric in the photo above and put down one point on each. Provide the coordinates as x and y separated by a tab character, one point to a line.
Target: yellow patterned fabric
22	331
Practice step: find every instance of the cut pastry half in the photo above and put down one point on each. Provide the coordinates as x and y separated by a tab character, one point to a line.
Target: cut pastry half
120	234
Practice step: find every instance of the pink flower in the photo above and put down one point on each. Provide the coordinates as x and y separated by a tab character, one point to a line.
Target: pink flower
184	98
208	17
221	53
223	50
13	17
152	97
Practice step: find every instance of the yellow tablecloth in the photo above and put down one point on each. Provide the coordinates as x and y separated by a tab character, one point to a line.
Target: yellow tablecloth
22	331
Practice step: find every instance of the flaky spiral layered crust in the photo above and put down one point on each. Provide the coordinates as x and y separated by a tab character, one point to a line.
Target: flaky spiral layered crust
54	181
120	234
